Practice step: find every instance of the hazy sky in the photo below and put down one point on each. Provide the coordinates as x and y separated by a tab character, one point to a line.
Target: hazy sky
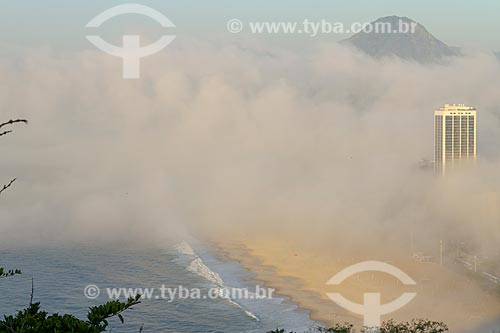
59	23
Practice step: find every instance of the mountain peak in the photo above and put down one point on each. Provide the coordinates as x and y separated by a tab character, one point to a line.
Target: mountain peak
412	42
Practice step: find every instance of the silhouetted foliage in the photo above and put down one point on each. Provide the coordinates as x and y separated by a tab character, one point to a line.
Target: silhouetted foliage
338	328
414	326
4	273
33	320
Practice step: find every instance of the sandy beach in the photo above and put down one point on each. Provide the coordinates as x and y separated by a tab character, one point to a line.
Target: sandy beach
299	270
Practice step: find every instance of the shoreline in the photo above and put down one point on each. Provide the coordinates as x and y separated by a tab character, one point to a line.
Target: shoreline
269	277
299	273
263	280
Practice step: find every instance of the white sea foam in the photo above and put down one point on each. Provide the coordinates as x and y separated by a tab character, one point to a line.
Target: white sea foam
198	266
184	248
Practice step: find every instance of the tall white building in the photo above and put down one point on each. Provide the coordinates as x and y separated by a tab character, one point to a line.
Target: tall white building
454	136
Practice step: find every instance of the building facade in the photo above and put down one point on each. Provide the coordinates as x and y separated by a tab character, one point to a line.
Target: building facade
454	136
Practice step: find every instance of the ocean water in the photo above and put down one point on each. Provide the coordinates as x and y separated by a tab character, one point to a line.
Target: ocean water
61	274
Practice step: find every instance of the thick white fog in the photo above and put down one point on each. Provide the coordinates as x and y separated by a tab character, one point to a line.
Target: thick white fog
238	138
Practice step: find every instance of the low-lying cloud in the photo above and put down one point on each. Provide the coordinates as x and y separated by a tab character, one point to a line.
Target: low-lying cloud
232	138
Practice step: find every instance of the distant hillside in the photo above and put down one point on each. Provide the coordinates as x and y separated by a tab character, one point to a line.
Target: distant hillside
420	46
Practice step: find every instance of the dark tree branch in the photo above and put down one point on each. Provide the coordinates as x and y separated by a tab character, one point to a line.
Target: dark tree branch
10	122
32	290
7	186
6	132
7	123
